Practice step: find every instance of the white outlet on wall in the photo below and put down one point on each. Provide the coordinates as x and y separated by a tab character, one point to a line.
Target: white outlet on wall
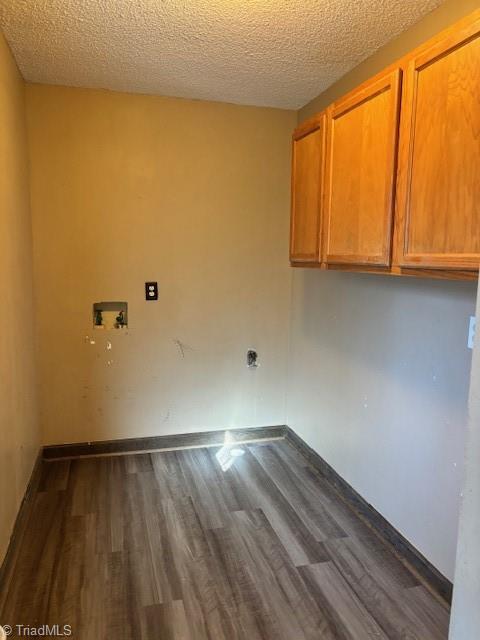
471	331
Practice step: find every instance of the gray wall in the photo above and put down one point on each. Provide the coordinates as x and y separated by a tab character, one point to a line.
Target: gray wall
465	620
378	386
379	371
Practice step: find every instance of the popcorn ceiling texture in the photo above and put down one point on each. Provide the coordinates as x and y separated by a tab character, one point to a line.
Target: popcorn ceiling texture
278	53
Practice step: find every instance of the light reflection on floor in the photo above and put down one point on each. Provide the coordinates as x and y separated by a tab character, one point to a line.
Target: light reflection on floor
227	455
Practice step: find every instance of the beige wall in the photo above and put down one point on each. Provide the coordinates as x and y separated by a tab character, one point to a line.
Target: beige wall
130	188
19	439
380	369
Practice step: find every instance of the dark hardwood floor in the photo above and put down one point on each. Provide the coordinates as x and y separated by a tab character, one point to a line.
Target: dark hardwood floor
168	546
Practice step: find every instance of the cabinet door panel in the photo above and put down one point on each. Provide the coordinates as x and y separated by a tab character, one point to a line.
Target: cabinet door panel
439	182
362	134
308	153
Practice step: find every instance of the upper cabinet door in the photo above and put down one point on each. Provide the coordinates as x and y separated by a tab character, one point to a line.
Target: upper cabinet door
362	135
438	218
308	154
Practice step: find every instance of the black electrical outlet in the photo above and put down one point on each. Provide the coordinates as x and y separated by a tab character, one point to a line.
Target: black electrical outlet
151	291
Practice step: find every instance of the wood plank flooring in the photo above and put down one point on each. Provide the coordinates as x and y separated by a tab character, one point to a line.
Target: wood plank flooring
168	546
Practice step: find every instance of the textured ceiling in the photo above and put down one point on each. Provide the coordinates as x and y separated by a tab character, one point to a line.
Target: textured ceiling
279	53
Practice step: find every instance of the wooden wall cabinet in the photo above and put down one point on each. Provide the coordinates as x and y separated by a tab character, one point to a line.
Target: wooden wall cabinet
308	154
438	214
401	176
362	134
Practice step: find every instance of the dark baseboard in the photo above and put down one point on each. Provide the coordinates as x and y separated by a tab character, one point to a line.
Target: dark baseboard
438	582
20	524
129	445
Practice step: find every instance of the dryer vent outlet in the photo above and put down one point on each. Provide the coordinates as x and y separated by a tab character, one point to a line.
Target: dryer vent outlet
252	358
